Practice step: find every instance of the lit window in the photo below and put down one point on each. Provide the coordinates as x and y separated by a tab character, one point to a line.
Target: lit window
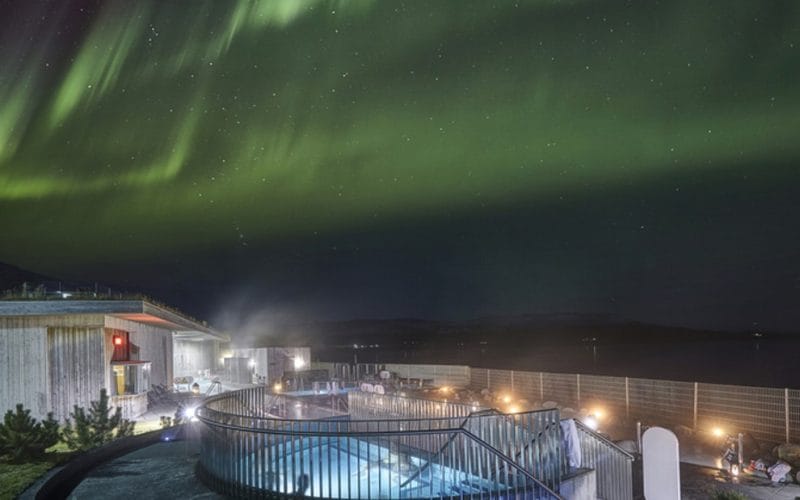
130	377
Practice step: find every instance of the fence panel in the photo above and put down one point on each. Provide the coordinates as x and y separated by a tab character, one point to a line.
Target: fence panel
561	388
767	413
500	380
526	386
665	402
605	392
794	415
478	379
758	410
454	375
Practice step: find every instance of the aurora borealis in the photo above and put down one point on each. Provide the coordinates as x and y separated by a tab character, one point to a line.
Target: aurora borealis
439	159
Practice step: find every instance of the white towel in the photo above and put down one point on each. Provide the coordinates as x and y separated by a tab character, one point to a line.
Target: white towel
572	443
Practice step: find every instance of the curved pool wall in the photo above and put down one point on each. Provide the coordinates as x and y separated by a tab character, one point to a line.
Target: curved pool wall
319	452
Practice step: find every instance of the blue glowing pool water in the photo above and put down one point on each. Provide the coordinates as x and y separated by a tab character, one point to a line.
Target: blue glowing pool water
353	468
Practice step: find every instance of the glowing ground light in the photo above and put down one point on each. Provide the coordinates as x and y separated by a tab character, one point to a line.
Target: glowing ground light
191	414
717	432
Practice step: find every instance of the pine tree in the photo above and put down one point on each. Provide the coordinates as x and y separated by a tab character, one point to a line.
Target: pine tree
23	438
97	426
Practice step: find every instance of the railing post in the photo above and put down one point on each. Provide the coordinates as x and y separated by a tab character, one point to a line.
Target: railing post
740	448
578	387
786	411
512	381
489	379
639	436
627	399
694	417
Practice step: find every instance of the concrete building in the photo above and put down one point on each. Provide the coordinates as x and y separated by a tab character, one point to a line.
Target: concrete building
56	354
268	364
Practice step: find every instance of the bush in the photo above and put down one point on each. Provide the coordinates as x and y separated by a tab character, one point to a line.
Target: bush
89	429
23	438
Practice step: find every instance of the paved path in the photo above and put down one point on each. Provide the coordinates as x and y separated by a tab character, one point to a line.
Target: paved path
164	470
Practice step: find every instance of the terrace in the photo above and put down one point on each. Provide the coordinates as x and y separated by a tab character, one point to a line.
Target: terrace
258	443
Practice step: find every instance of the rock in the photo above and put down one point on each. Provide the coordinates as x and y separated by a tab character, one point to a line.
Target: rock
789	453
547	405
768	450
683	432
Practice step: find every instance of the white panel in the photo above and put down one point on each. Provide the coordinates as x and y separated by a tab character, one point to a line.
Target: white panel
660	459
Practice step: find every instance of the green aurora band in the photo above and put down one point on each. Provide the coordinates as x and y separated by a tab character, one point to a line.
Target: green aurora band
160	127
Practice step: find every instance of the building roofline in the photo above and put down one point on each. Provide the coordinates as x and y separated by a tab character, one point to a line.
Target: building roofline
140	311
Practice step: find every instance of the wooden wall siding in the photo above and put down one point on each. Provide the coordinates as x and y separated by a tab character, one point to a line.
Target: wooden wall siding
108	354
77	367
192	357
23	369
155	345
88	320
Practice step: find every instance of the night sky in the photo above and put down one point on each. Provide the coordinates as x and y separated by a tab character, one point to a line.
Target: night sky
439	159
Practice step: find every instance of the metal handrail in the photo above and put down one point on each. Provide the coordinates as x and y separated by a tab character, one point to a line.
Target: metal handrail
317	432
614	465
373	420
603	439
444	446
416	398
499	454
524	449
